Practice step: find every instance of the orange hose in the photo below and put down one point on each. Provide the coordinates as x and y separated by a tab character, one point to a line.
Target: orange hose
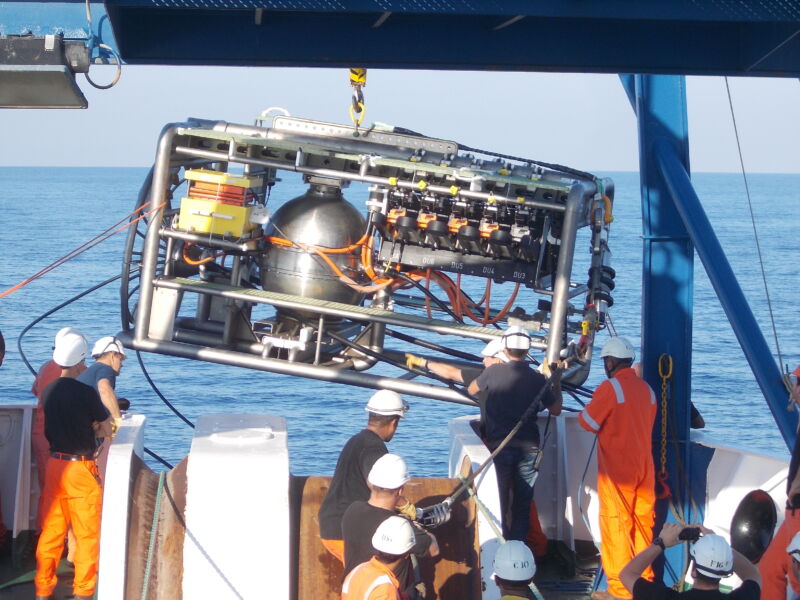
202	261
428	288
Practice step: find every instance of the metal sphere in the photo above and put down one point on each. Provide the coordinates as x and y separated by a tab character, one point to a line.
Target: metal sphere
320	217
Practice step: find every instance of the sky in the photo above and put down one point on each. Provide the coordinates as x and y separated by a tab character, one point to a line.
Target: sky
583	121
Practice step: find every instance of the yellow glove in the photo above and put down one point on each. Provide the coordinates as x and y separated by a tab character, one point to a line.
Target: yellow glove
413	360
406	508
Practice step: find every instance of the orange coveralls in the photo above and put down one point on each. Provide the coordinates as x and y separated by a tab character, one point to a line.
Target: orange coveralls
621	413
47	374
371	580
72	497
775	566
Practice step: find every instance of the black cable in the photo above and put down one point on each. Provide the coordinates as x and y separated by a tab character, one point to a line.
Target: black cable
157	457
50	312
386	359
159	394
431	346
427	292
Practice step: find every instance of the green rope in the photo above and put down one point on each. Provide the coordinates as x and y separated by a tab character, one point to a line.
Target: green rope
490	518
153	532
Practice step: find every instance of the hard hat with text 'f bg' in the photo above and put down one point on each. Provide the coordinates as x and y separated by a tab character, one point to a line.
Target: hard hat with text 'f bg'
712	556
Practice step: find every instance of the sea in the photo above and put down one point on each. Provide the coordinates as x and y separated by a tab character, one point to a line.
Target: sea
47	212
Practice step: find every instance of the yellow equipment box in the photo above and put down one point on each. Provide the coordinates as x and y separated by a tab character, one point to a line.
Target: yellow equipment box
209	216
222	178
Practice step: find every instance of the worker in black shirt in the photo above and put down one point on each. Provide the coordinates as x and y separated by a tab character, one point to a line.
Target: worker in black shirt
360	521
349	482
712	559
510	389
74	417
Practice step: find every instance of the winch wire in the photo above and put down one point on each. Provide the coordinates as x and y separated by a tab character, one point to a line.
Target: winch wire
755	232
43	316
159	394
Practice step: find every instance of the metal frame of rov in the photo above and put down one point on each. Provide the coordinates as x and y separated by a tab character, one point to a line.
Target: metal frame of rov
333	276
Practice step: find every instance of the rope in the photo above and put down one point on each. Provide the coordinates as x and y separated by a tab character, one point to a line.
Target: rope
493	524
755	232
153	532
95	241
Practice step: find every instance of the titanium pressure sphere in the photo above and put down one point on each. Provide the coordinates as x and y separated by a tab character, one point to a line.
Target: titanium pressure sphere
320	217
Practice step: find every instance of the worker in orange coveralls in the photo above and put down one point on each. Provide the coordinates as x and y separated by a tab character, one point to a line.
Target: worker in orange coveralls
621	413
74	417
776	565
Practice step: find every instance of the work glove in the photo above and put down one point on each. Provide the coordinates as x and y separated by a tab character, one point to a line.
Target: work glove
412	360
407	509
433	516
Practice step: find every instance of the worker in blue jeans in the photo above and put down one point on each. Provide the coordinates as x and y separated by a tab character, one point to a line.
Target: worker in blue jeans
510	388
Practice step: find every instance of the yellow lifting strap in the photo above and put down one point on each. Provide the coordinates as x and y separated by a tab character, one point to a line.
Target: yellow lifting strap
358	79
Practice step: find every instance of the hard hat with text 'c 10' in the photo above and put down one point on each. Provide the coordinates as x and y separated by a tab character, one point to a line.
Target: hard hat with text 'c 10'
712	556
513	561
618	347
516	338
394	536
387	402
389	472
71	349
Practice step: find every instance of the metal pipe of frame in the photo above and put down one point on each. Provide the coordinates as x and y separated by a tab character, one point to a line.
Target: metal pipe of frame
744	324
205	240
336	312
237	359
384	181
569	233
158	195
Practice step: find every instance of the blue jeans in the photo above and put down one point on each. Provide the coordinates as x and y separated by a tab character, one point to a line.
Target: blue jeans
516	474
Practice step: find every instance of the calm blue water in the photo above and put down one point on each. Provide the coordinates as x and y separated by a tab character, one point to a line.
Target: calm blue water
47	212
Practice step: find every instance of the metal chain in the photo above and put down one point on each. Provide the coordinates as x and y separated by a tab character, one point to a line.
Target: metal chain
665	377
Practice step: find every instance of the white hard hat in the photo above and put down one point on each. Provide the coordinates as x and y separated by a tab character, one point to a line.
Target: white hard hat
516	338
71	349
494	349
108	344
394	536
387	402
618	347
64	331
793	549
389	472
712	556
513	561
